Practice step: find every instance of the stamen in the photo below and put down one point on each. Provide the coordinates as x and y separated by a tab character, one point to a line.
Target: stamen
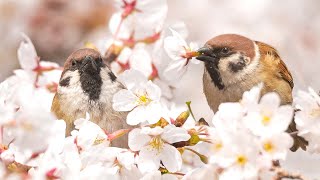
242	160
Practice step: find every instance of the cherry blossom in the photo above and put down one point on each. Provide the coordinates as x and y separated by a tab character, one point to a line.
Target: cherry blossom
142	98
269	117
142	18
307	118
154	145
43	74
242	141
88	133
180	53
27	54
137	58
276	146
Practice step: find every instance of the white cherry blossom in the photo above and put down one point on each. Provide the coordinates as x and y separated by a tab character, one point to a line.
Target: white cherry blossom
143	18
276	146
137	58
180	53
308	118
154	145
268	117
141	98
88	133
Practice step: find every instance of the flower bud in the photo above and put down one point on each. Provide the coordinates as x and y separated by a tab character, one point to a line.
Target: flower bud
181	119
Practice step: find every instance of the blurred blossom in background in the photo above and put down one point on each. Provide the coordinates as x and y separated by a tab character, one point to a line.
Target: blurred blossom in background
58	27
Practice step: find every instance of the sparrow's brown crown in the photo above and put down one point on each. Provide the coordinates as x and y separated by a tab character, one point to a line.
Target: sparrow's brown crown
234	43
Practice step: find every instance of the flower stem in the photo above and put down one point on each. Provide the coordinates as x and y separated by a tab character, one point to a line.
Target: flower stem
189	108
203	158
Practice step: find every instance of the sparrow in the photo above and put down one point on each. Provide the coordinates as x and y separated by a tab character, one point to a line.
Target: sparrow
87	85
235	64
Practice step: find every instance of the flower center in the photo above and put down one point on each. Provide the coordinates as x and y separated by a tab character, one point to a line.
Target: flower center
144	100
156	143
268	147
98	141
265	120
242	160
217	146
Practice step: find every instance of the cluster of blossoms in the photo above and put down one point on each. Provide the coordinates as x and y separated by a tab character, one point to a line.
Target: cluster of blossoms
244	140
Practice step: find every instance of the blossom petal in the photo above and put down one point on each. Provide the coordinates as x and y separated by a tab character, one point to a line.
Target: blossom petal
124	100
270	102
175	70
132	77
174	134
141	60
27	54
148	160
171	158
153	91
136	139
137	115
154	112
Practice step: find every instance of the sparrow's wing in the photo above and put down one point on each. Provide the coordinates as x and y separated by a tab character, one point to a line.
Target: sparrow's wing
283	71
56	109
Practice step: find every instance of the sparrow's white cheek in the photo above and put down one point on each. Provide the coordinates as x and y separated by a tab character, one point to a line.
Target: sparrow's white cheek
73	89
110	85
73	83
253	64
225	62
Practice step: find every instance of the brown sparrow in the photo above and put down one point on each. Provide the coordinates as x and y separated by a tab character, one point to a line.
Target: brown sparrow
88	85
234	64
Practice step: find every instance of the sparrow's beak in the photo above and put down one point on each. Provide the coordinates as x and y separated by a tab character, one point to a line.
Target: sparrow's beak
205	50
89	60
206	55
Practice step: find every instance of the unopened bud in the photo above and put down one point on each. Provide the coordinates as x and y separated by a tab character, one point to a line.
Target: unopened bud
182	118
117	134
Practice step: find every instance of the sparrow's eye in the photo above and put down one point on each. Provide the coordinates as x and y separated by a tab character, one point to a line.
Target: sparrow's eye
74	63
225	50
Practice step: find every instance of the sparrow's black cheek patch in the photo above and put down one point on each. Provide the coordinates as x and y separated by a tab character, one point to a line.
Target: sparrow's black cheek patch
112	76
65	82
238	66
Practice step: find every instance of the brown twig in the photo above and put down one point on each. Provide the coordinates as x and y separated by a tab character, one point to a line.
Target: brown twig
281	174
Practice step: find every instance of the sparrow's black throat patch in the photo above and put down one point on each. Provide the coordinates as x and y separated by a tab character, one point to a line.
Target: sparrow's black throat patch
91	81
214	73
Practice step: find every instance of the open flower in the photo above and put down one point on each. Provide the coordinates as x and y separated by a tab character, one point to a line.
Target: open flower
142	18
40	73
276	146
181	53
238	155
88	133
268	117
308	118
137	58
141	98
154	146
